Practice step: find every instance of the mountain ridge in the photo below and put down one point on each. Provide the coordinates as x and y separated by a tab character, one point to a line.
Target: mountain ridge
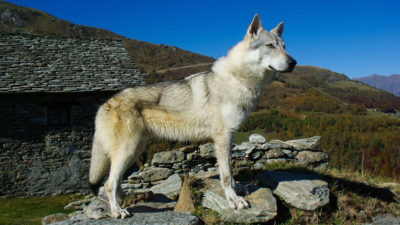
389	83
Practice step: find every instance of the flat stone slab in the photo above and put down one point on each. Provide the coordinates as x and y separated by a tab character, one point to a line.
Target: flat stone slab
303	191
156	174
311	157
154	218
167	157
262	203
310	143
275	144
169	187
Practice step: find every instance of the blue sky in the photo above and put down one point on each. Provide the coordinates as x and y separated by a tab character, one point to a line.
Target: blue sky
357	38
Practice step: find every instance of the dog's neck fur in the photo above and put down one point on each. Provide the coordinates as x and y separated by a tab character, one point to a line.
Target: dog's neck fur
244	67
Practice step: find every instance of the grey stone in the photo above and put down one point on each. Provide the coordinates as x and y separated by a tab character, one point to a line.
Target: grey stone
169	187
274	153
258	166
288	153
134	176
207	150
78	205
77	215
249	151
262	160
303	191
243	146
311	143
275	144
256	155
263	204
204	175
310	157
256	138
386	219
156	174
129	188
96	210
238	154
153	218
54	218
167	157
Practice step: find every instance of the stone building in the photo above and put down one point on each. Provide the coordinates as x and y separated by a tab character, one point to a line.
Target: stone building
50	89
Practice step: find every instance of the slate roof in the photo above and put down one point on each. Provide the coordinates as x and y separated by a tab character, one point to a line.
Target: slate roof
42	64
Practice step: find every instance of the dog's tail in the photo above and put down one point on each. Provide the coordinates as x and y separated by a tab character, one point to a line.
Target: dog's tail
98	166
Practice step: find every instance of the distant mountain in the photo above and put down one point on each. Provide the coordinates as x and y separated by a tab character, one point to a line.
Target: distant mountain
388	83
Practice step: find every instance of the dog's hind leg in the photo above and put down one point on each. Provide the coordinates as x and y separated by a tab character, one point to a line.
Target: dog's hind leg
222	141
121	159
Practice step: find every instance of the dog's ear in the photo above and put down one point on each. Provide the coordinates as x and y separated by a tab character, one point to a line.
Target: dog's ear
278	29
254	28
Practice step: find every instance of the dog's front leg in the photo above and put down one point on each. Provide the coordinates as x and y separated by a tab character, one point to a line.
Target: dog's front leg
222	148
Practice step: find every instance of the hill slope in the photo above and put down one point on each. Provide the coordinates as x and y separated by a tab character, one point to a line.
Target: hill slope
148	57
310	88
388	83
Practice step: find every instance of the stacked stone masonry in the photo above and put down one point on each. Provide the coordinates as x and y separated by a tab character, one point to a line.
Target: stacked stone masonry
39	64
50	90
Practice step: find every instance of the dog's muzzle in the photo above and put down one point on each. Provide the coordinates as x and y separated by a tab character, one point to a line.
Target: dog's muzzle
292	63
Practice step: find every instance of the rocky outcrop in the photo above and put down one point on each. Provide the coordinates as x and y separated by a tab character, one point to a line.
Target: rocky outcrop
303	191
156	186
263	204
153	218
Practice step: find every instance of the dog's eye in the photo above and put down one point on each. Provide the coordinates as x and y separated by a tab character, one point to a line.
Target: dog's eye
270	45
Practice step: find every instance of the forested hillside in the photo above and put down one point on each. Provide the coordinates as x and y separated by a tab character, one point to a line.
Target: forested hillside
356	142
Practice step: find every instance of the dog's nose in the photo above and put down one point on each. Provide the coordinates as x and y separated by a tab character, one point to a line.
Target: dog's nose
292	62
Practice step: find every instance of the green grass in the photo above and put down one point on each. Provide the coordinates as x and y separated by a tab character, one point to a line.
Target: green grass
31	210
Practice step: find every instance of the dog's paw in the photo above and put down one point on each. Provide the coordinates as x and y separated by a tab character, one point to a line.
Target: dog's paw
120	213
234	201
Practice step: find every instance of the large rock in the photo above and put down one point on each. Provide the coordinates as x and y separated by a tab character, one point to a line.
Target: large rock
256	139
309	157
207	150
156	174
170	187
263	204
153	218
311	143
303	191
167	158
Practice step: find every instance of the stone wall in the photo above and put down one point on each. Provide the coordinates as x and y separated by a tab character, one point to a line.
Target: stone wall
254	155
38	158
